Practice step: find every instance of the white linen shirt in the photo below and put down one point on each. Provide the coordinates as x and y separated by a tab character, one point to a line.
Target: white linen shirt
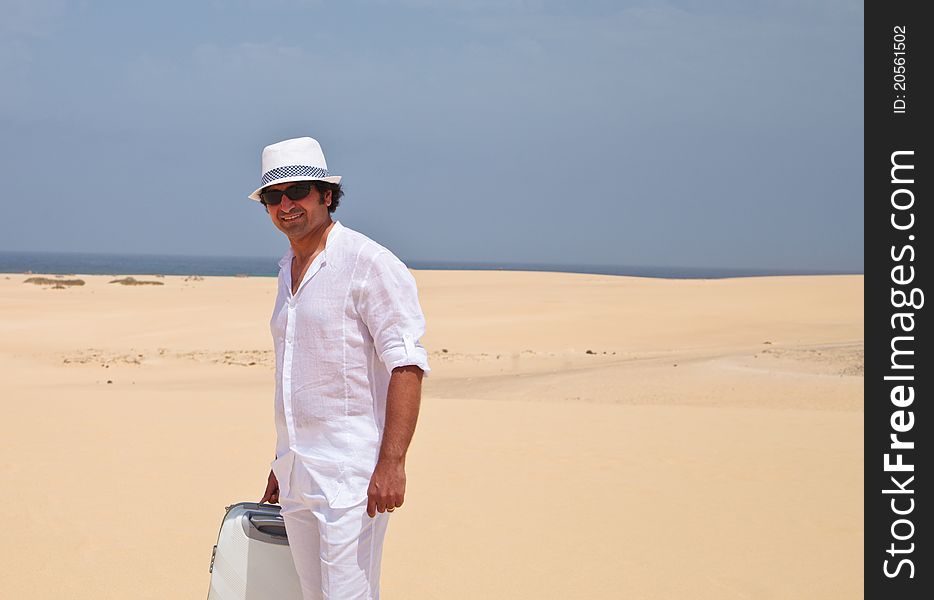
354	318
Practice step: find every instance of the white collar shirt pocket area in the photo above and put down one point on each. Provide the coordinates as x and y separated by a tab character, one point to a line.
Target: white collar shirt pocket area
352	320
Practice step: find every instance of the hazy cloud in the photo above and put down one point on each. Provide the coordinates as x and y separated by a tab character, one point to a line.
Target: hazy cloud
720	133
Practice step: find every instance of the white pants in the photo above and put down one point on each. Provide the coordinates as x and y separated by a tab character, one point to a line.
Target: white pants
337	551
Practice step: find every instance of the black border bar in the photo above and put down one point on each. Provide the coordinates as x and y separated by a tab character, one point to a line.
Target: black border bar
898	366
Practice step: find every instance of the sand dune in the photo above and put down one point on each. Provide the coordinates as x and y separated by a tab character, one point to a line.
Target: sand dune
581	436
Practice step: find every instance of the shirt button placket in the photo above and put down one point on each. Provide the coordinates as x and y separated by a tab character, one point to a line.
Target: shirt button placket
287	371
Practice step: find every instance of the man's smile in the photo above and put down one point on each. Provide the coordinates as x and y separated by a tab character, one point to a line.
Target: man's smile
290	217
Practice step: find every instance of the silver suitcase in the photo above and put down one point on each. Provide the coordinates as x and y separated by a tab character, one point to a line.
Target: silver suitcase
251	560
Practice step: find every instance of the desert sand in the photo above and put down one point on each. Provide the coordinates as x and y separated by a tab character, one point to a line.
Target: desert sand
581	436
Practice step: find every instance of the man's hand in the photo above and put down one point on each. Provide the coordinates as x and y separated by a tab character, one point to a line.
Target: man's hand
387	487
272	490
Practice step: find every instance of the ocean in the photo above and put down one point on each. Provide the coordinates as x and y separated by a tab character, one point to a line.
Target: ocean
148	264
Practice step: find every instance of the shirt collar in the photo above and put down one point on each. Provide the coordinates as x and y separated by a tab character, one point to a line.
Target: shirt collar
287	257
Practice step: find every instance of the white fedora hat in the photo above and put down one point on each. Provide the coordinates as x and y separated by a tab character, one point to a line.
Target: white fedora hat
299	159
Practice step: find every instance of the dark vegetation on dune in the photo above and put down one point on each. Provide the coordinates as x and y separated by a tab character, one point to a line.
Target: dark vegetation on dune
58	283
134	281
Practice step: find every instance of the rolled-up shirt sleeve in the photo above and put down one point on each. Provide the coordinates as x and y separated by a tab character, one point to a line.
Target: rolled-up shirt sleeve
388	304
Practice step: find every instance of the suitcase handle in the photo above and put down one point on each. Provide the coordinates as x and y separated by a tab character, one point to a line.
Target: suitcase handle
270	524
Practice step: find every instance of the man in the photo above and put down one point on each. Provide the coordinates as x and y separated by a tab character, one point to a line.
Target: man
349	365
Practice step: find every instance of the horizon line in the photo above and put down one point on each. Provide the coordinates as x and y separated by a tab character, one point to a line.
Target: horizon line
471	264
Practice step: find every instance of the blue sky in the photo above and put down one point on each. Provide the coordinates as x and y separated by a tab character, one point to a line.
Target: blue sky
721	133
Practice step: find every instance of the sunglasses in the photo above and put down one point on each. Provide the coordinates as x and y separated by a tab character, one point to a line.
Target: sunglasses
294	192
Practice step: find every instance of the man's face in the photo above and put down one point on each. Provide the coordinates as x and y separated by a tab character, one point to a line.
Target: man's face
297	218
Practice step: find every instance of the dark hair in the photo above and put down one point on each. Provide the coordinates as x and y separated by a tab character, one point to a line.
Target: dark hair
336	192
322	186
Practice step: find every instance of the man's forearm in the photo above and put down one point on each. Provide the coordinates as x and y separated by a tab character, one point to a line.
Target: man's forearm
402	404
